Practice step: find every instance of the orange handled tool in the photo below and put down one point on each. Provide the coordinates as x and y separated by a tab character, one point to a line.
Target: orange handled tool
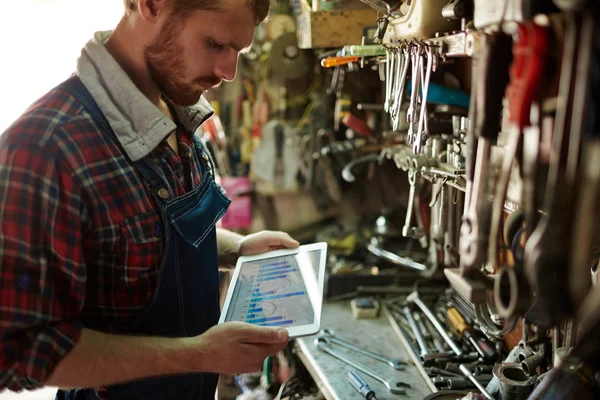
335	61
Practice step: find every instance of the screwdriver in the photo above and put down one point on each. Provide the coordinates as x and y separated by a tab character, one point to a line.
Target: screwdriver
335	61
361	386
483	347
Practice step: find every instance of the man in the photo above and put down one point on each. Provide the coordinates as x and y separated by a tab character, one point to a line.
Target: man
108	246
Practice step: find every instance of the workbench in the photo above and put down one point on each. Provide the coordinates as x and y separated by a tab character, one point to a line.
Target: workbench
375	335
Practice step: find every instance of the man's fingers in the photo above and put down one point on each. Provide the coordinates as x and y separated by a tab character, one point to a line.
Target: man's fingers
282	239
259	334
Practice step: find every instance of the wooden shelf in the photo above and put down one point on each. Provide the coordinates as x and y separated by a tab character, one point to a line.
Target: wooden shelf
336	28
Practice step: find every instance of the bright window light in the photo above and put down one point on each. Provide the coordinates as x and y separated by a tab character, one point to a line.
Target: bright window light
40	41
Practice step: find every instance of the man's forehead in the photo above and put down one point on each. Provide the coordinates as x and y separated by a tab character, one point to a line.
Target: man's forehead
235	30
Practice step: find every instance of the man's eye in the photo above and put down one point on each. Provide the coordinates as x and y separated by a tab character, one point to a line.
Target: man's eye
215	45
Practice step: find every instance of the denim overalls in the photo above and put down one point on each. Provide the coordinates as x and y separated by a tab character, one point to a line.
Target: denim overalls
186	301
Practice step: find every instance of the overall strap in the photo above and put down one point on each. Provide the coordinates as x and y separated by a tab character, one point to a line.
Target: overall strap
77	89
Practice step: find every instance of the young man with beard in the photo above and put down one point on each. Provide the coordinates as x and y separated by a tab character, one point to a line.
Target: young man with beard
108	246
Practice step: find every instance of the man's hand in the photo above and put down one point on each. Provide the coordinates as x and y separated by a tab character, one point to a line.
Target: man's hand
237	347
264	241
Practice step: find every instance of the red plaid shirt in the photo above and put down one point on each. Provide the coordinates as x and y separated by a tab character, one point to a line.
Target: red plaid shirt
80	235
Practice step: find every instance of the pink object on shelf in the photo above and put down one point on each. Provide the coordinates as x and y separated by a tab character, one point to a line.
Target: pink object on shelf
239	214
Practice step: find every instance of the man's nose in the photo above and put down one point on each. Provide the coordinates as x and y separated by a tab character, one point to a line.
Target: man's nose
226	67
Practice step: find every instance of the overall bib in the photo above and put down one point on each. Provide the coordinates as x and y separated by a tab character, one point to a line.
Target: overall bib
186	301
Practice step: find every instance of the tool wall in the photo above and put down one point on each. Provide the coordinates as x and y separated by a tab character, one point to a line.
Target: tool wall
491	125
464	135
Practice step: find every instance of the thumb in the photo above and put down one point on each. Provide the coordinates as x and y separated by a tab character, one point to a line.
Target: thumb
260	334
282	239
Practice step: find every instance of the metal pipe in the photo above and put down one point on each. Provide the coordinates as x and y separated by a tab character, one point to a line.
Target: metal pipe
530	364
414	297
514	382
417	332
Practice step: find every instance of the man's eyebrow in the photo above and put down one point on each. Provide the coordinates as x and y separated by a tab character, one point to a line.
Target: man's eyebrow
240	48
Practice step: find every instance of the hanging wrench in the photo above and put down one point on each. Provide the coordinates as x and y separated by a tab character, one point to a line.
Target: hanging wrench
420	138
393	385
411	113
407	230
396	87
530	52
396	95
401	81
329	334
389	79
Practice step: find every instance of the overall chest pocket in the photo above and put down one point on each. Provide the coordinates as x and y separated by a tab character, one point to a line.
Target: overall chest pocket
196	221
142	243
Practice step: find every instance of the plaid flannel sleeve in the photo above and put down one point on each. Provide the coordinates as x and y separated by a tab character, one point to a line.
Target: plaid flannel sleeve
42	268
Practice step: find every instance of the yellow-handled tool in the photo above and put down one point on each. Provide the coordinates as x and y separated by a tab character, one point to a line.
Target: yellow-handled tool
482	346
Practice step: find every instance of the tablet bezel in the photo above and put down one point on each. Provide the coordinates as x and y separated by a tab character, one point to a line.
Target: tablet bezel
295	331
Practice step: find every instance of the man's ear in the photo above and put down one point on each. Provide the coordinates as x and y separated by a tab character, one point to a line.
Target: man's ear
150	10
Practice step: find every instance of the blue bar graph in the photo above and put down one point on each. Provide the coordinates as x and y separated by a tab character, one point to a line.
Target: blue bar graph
278	296
286	270
255	310
271	278
288	322
275	263
273	269
260	294
255	321
250	315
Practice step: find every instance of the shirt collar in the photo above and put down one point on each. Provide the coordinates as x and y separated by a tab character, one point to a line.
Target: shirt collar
138	124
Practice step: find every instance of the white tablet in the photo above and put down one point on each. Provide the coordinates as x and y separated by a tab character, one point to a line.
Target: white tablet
280	288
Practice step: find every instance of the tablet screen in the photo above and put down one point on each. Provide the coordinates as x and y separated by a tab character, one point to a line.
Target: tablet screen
276	291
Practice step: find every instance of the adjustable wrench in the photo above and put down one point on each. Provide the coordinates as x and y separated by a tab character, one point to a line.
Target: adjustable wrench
329	334
393	385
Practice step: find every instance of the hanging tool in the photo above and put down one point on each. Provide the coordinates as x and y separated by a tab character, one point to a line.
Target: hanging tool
547	251
530	54
586	120
490	77
482	346
411	113
361	386
422	130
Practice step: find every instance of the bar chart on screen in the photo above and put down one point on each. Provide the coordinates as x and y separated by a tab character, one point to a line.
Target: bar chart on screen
272	293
